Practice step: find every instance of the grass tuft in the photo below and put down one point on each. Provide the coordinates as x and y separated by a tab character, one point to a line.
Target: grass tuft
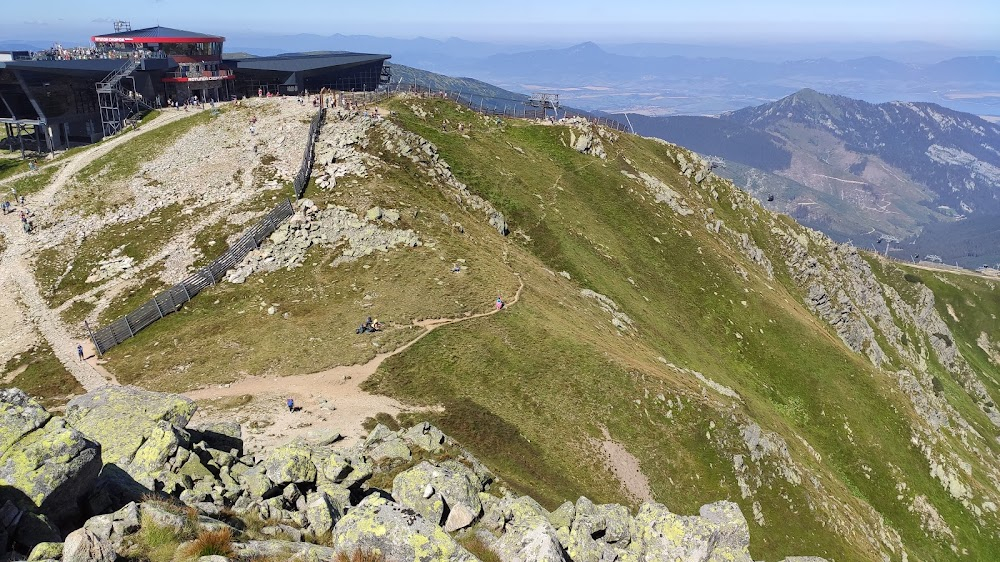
211	543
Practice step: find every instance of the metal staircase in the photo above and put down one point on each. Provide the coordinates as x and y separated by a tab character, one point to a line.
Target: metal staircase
118	105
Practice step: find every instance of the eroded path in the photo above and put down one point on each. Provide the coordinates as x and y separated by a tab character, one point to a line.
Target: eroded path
21	300
330	401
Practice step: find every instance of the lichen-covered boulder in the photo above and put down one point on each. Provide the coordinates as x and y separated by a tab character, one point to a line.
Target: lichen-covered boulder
138	430
346	470
44	463
396	532
719	533
425	436
290	464
385	444
525	532
434	491
563	515
392	449
321	513
609	523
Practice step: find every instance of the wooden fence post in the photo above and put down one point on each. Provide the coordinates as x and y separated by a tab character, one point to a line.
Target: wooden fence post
97	346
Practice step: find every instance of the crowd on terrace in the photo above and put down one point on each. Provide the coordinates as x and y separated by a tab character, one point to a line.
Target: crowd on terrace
58	52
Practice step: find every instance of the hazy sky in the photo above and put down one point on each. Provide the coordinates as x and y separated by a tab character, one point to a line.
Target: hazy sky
957	22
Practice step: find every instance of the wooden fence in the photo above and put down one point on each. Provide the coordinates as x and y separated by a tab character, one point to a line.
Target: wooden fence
305	170
172	299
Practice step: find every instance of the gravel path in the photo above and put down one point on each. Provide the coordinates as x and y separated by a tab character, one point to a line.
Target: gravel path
25	311
330	401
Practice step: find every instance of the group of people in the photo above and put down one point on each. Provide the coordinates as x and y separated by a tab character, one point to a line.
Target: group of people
369	326
7	207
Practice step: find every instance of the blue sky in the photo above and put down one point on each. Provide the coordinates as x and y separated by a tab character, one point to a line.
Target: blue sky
956	22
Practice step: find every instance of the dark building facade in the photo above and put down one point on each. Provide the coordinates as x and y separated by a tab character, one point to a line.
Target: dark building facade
80	96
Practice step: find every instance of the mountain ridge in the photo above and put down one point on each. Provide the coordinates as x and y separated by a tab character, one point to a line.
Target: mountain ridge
903	165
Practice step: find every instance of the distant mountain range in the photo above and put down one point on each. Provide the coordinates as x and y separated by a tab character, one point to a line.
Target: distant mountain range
916	172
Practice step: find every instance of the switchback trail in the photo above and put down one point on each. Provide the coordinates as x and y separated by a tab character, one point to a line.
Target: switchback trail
17	273
315	393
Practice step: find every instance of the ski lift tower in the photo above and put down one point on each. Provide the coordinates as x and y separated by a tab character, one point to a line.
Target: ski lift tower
545	101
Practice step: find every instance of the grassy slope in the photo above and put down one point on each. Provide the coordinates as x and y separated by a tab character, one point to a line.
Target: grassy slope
531	389
40	374
795	377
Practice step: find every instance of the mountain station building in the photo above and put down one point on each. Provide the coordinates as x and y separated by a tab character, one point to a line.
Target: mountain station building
59	97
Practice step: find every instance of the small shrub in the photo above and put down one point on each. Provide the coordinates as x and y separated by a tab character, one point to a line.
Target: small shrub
360	555
937	385
911	278
211	543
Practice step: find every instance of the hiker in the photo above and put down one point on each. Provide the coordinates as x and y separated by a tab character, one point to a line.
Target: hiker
376	326
79	352
291	404
366	326
499	303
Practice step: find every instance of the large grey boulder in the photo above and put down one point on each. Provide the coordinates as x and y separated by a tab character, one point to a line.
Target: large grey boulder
525	532
138	430
113	527
425	436
397	532
719	533
44	463
434	491
321	513
290	464
83	546
33	529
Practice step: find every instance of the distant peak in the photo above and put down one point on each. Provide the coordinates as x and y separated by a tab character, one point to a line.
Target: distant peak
587	47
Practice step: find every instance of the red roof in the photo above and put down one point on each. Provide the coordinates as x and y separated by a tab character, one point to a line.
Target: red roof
157	34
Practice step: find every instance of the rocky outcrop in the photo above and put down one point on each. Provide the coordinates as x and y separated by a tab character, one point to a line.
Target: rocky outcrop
44	463
144	447
396	531
324	493
334	226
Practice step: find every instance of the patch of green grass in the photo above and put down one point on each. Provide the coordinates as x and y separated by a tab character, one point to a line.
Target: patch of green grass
40	374
12	166
138	239
478	548
155	542
32	183
76	313
132	298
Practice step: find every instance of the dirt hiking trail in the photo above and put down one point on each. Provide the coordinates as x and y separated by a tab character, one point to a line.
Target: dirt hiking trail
327	402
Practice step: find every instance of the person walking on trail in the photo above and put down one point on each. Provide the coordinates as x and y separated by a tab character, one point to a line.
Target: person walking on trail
79	352
499	303
291	404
